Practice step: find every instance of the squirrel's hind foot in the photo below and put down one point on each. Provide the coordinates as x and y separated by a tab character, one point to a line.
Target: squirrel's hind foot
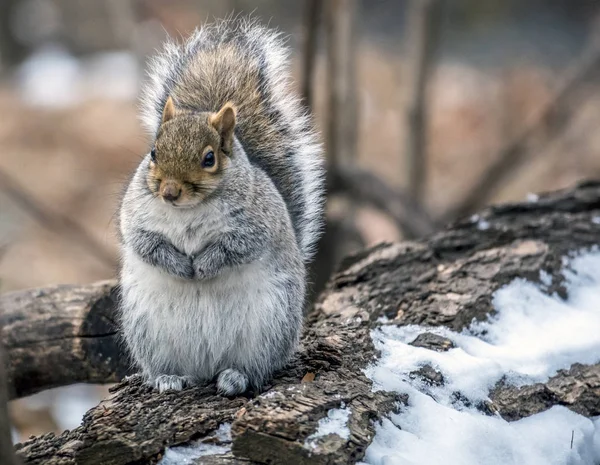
231	382
171	382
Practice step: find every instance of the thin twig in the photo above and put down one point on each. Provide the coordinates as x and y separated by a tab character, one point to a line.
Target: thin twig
309	48
53	220
513	154
342	111
423	38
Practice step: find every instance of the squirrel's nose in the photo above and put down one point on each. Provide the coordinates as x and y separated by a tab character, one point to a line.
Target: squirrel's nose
170	192
172	196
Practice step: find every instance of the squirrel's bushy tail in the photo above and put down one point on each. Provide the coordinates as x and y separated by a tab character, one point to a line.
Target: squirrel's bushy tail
239	60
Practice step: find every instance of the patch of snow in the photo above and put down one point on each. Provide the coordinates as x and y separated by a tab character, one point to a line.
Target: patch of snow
67	404
596	219
532	198
545	278
181	455
52	77
186	454
531	337
71	403
336	422
483	225
434	434
14	434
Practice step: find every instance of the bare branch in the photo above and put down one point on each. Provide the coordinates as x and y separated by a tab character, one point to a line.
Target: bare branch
61	335
54	221
366	187
513	154
341	135
423	24
309	48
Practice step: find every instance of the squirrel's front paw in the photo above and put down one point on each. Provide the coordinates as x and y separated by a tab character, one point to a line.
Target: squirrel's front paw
187	270
202	269
231	382
171	382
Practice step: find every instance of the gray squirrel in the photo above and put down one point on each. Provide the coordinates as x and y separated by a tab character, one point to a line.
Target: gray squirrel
222	215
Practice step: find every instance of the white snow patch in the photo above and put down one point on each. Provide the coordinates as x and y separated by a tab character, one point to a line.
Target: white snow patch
483	225
528	340
596	219
72	403
433	434
68	404
545	278
271	394
532	198
52	77
186	454
336	422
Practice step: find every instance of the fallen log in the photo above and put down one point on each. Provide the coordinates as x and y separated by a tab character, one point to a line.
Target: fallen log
446	280
7	454
61	335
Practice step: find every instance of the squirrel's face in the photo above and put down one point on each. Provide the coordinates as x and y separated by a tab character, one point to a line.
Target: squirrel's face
190	155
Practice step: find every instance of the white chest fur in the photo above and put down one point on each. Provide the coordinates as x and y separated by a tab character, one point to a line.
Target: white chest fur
198	328
188	230
245	318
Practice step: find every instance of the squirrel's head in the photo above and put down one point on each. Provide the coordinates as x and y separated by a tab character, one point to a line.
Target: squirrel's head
191	153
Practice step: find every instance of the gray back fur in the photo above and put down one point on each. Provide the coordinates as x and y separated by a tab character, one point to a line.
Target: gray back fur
245	63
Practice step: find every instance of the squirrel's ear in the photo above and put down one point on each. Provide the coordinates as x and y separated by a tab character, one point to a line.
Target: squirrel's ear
224	123
168	110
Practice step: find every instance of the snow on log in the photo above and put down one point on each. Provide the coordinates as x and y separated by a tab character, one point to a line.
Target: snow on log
402	357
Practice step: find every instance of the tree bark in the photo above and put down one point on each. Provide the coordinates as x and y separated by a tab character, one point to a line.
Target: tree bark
61	335
7	454
447	280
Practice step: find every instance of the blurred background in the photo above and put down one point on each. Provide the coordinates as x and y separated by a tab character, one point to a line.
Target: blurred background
429	110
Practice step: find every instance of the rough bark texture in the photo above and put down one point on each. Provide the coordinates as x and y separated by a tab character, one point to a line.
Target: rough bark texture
61	335
577	389
446	280
7	454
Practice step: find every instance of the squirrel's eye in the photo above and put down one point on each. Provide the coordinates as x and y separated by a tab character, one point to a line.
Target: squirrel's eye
153	155
209	160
